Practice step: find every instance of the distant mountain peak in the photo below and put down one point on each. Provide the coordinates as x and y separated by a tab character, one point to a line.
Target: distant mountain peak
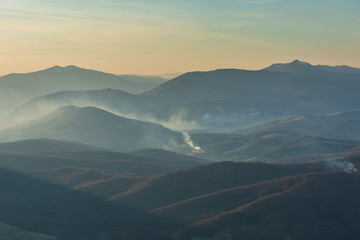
58	68
296	61
294	66
55	67
72	67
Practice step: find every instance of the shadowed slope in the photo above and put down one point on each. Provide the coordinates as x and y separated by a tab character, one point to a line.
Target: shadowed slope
96	127
43	145
229	98
18	88
271	146
189	183
342	124
315	206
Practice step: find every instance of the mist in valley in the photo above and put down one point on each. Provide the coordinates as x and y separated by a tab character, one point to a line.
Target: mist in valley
119	147
169	120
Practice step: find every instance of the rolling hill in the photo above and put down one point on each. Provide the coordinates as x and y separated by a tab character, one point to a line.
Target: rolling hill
92	156
183	204
203	207
273	146
43	145
341	69
200	180
224	98
259	86
341	125
96	127
107	99
268	212
18	88
8	232
113	162
228	96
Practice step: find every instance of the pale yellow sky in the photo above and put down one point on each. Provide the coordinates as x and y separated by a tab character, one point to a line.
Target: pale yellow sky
153	37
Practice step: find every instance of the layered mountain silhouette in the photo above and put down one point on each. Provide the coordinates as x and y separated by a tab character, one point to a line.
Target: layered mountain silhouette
105	98
224	98
96	156
147	81
9	232
270	213
96	127
295	66
65	163
189	203
18	88
340	69
341	125
43	145
171	188
219	193
300	66
273	146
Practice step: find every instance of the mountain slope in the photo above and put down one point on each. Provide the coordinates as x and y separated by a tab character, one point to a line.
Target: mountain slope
326	208
8	232
342	124
112	99
184	184
272	146
204	196
340	69
43	145
196	202
231	93
96	127
299	66
231	84
101	161
229	98
40	206
295	66
16	89
151	81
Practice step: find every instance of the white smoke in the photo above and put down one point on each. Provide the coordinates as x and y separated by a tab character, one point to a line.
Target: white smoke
342	165
190	143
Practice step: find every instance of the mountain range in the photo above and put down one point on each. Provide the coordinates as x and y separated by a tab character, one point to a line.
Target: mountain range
300	66
95	127
230	98
224	154
17	88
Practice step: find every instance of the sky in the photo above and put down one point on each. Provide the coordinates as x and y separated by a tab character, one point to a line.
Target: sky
157	36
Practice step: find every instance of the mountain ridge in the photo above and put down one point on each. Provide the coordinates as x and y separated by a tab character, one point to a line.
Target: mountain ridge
95	127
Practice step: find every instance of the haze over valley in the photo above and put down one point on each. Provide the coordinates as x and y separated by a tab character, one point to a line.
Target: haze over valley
232	141
179	120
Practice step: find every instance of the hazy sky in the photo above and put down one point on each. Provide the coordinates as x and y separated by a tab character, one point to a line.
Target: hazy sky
158	36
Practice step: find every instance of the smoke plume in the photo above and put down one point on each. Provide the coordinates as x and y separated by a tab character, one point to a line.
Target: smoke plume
190	143
342	165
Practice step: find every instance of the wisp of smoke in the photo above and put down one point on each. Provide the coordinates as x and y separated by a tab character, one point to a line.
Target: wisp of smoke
190	143
177	122
342	165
